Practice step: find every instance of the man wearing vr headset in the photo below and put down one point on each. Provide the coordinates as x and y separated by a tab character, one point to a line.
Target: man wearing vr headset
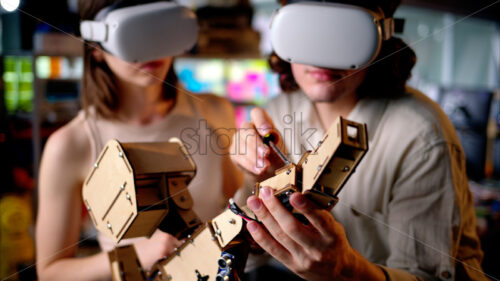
407	212
129	93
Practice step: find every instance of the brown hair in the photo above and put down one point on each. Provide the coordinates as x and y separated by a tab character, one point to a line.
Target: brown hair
98	87
386	76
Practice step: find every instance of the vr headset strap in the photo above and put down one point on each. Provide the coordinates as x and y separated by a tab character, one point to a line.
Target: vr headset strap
95	31
391	26
387	25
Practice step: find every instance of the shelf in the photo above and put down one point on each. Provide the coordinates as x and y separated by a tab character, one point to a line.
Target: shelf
75	80
21	115
27	134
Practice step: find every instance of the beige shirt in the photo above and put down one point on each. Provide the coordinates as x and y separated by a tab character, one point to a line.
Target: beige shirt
200	121
408	205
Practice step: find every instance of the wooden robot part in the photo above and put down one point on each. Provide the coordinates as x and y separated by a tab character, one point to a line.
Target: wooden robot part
218	249
125	264
128	191
322	173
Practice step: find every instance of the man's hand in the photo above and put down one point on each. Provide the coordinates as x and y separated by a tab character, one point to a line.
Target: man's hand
249	152
317	251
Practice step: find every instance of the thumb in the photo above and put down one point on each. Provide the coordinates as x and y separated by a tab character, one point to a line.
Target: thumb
262	122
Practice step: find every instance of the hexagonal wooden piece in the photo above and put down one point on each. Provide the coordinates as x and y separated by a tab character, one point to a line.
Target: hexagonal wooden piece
126	191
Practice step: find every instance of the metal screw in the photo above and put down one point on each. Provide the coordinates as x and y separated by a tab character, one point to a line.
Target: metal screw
95	165
120	154
122	187
213	238
288	172
128	196
109	226
232	221
88	208
346	168
169	277
320	167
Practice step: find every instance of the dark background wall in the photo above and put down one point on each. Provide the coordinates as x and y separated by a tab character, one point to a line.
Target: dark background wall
56	13
19	26
487	9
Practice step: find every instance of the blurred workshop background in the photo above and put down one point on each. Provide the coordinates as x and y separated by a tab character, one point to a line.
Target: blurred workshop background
458	49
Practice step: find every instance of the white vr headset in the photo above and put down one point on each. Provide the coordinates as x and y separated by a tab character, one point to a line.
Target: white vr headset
329	35
144	32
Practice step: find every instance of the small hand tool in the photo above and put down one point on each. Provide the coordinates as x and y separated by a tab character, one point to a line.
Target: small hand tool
270	140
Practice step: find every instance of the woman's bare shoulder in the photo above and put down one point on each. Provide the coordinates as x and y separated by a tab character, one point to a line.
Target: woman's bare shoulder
69	148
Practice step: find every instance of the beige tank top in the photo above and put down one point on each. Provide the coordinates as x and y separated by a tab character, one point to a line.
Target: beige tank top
200	122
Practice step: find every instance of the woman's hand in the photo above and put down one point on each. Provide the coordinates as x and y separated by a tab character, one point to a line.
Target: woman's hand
317	251
249	152
158	246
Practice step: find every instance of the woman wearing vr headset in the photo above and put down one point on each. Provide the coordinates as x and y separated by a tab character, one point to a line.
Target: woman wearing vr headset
130	102
407	212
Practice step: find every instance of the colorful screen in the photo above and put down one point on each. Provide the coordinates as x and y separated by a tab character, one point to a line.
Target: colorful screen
18	80
56	67
245	82
201	75
251	81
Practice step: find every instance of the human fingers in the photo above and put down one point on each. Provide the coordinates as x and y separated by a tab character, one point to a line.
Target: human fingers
321	219
165	241
158	246
248	151
262	122
295	229
265	127
173	242
268	243
271	222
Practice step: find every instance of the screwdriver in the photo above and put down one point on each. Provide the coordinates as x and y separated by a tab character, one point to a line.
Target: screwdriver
270	140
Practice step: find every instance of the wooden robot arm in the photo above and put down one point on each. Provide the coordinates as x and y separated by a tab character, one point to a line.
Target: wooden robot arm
216	250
